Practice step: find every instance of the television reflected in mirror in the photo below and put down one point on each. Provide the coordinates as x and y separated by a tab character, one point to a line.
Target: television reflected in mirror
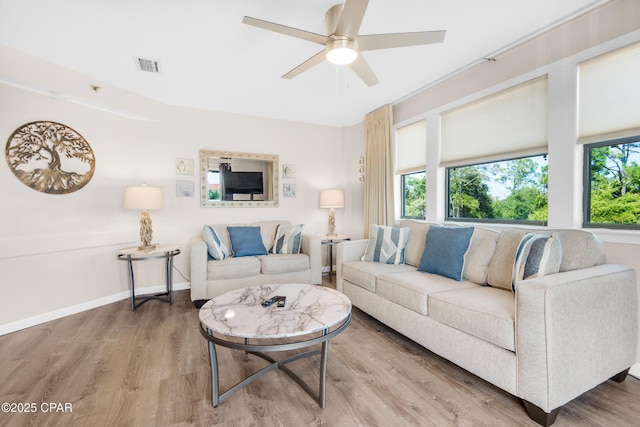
231	179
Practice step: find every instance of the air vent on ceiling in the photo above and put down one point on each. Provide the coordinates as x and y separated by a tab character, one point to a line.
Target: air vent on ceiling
150	65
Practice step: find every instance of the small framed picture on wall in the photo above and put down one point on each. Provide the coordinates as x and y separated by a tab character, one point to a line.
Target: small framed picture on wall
184	188
184	166
289	190
289	171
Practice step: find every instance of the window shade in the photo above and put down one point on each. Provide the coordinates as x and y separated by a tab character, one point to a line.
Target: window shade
609	95
511	123
411	147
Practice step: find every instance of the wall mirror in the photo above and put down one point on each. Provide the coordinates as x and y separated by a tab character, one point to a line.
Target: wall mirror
230	179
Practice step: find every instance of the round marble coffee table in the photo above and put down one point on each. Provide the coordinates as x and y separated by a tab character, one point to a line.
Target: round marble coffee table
312	315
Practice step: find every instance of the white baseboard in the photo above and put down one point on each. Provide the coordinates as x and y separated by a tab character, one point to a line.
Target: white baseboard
635	370
78	308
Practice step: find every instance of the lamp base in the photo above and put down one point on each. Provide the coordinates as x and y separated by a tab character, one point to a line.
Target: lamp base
146	232
332	222
148	248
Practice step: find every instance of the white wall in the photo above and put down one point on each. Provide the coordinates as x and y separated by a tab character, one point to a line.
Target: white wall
353	147
58	252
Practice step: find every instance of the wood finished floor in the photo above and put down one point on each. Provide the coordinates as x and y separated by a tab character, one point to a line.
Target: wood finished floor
150	368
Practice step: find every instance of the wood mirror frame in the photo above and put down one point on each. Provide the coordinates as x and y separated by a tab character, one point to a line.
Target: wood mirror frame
238	162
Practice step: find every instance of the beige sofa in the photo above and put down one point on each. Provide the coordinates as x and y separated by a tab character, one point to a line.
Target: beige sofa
210	277
554	338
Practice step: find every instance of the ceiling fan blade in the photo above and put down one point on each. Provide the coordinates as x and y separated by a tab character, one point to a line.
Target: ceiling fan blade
387	41
289	31
309	63
351	18
361	67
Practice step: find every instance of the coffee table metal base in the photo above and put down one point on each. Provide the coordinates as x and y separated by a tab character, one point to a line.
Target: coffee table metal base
260	349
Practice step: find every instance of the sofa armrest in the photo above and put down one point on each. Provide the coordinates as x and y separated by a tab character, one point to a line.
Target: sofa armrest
311	245
574	330
350	250
198	262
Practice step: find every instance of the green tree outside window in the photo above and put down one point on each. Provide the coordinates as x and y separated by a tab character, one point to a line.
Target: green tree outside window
614	181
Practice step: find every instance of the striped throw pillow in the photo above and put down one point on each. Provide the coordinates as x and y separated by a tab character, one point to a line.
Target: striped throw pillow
386	244
537	255
215	246
288	239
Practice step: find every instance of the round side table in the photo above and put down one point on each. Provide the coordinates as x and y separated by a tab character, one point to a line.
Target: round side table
331	240
166	252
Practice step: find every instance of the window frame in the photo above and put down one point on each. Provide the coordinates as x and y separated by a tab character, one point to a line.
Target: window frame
403	199
586	184
448	216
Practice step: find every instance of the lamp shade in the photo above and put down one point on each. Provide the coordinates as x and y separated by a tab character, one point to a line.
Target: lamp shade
332	198
143	198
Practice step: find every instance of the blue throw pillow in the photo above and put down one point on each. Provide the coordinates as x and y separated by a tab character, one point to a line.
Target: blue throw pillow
444	251
246	241
215	246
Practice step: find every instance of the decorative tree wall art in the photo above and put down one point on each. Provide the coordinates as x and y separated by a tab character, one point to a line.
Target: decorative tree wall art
50	157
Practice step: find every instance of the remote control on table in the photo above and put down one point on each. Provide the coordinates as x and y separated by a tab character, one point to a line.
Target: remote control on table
281	302
268	302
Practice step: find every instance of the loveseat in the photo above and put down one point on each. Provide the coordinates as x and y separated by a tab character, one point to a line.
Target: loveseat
299	260
545	321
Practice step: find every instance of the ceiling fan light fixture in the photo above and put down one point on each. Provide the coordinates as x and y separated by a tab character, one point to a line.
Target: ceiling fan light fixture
342	51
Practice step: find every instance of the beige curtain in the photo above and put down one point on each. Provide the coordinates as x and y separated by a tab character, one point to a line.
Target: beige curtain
378	197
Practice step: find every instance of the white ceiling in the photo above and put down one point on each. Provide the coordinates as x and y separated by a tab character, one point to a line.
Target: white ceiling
209	59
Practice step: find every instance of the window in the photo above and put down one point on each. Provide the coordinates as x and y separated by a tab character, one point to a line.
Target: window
508	190
494	151
612	177
609	128
413	187
410	166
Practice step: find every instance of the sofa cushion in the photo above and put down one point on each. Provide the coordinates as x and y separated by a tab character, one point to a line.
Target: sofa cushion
283	263
538	255
580	249
268	230
246	241
215	246
481	249
364	273
233	268
288	239
485	312
444	251
386	244
415	242
412	288
500	272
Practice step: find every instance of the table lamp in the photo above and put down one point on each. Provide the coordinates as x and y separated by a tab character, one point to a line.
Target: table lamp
332	198
144	198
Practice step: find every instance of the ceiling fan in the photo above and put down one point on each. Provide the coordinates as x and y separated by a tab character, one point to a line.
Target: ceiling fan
343	44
